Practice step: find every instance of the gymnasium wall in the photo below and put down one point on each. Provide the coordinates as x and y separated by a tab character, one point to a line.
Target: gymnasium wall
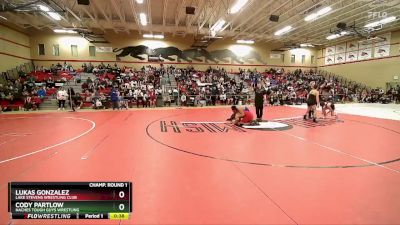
14	48
375	72
125	40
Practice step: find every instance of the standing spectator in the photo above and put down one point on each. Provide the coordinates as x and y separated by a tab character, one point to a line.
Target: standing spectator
41	92
71	93
175	94
28	103
222	98
114	98
153	97
183	99
123	102
62	96
139	99
146	101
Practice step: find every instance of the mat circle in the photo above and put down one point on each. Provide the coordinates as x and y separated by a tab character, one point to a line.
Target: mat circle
148	133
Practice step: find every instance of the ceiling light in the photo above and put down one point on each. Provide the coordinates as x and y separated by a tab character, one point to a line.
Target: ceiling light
158	36
318	14
381	22
388	19
54	15
283	30
237	6
44	8
245	41
143	19
373	24
323	11
139	1
218	25
64	31
312	16
337	35
307	45
333	36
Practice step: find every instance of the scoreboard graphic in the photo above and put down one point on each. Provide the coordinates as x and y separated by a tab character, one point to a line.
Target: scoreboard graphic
70	200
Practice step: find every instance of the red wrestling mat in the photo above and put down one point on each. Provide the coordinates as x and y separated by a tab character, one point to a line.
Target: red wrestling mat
189	168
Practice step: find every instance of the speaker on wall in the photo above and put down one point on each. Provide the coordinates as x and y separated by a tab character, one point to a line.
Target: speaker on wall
341	25
83	2
274	18
190	10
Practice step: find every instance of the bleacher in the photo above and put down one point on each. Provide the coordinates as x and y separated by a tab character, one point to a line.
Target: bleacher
26	75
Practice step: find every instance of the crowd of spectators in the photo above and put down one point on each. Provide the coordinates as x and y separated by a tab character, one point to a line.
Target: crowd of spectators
116	87
27	90
120	87
284	87
293	87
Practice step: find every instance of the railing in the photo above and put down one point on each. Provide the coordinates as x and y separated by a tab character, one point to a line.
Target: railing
341	79
13	73
191	100
393	84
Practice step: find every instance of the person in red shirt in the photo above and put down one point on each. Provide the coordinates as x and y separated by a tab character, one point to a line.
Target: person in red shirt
152	98
241	115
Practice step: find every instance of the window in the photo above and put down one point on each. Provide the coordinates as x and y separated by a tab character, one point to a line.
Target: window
312	59
293	59
41	49
56	50
74	50
92	51
303	59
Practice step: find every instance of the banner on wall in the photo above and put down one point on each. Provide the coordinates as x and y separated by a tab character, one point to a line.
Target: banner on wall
330	59
365	54
275	55
382	51
104	49
352	56
330	50
340	48
364	45
340	58
352	46
385	39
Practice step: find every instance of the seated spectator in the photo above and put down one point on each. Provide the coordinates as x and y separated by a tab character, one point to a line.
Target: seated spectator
28	103
42	92
78	101
167	100
50	82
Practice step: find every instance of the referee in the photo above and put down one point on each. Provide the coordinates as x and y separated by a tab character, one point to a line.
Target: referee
259	102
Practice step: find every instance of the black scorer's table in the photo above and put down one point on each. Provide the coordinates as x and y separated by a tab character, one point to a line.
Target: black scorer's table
70	200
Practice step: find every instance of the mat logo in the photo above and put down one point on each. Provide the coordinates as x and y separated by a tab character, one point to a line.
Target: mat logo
270	126
174	127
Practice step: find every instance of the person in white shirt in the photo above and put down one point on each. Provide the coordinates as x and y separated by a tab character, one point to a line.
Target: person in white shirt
222	98
183	99
62	96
